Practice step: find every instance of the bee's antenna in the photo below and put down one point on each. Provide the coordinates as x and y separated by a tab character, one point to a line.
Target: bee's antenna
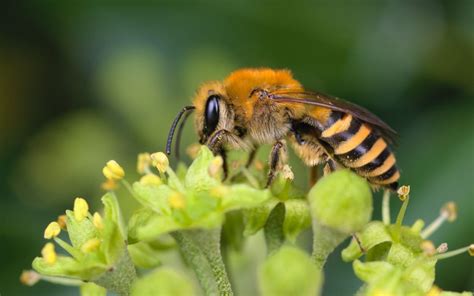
180	131
173	127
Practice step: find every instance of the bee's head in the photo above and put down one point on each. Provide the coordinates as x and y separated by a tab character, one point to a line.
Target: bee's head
213	112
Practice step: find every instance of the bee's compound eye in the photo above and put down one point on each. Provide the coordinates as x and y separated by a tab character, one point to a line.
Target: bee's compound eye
211	116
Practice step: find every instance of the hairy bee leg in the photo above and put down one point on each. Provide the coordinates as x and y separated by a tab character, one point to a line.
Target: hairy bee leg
313	175
215	141
274	159
252	155
225	167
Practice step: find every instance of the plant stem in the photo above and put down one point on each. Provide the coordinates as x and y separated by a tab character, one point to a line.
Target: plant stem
120	277
399	220
274	236
325	240
201	249
386	207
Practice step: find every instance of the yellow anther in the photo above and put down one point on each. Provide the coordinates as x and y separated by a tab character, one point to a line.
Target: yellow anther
403	192
113	171
193	150
150	179
49	254
52	230
90	245
428	247
29	277
215	166
108	185
97	221
471	250
160	161
449	211
143	162
287	173
177	201
81	209
62	221
434	291
443	248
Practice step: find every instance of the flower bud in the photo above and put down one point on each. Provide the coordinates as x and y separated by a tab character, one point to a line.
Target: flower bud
81	209
52	230
90	245
49	254
150	179
342	201
160	161
97	221
113	171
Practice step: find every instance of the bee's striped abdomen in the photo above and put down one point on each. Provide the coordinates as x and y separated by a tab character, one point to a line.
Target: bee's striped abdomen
355	145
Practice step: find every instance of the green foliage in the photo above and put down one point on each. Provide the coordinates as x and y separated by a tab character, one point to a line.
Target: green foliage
208	219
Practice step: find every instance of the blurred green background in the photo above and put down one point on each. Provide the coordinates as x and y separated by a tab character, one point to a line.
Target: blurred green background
83	82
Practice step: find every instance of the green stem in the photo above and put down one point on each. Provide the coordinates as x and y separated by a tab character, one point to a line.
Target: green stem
325	240
451	253
273	229
120	277
201	249
386	207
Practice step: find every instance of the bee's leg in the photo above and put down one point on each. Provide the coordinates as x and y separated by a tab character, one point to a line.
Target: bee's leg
225	168
329	167
251	158
313	175
274	160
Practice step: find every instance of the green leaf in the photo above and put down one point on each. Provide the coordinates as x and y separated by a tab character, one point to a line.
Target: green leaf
297	218
197	178
154	197
138	219
143	255
68	267
370	271
162	282
373	234
91	289
255	218
342	201
243	196
114	234
289	271
79	232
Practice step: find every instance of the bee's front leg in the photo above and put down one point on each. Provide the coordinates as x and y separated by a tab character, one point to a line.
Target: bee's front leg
275	156
216	145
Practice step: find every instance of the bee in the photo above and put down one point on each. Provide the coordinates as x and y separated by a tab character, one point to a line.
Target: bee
253	107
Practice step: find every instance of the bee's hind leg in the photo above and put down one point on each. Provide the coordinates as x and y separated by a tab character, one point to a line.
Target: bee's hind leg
275	156
251	158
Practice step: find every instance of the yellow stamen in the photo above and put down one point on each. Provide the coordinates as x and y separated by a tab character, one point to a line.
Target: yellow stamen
81	209
176	201
287	173
29	277
160	161
434	291
113	171
471	250
62	221
215	166
193	150
52	230
49	254
143	163
449	210
443	248
97	221
403	192
90	245
150	179
428	247
109	185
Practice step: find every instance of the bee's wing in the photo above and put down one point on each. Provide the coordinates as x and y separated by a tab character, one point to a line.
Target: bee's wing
333	103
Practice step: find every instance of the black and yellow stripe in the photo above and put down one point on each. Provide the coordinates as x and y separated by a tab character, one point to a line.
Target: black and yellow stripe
355	145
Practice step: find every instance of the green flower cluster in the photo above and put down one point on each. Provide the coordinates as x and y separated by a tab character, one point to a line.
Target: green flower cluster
193	210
